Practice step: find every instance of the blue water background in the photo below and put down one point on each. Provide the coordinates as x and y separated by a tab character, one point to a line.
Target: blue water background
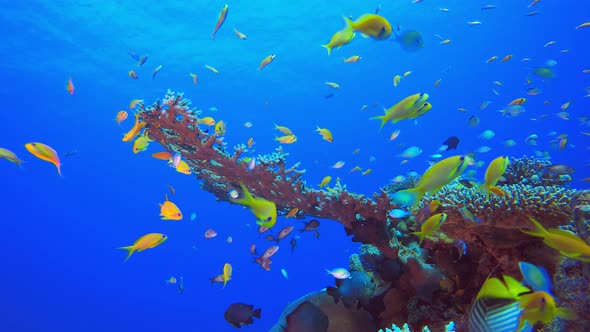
61	271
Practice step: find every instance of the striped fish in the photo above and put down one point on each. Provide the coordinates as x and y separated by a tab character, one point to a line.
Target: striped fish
496	307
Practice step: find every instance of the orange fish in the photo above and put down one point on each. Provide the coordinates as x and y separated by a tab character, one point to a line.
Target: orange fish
517	101
70	86
147	241
162	155
292	213
121	116
506	58
44	152
134	103
183	168
195	78
266	61
169	210
220	20
137	127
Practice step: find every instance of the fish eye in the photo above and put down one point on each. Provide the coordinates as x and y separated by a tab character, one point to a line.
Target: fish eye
269	219
462	158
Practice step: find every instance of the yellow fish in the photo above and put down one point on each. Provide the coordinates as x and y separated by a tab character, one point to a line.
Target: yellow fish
340	39
195	78
333	85
220	20
182	167
566	243
436	177
430	226
403	110
325	181
371	25
494	172
284	130
354	58
264	210
10	156
240	35
134	103
220	128
288	139
141	143
147	241
227	273
44	152
325	133
215	71
266	61
396	80
137	127
209	121
169	211
541	307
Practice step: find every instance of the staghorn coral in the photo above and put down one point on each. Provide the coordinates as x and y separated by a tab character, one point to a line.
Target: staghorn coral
531	171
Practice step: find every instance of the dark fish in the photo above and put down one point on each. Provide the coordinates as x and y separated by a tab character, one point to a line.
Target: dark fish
486	7
310	226
180	286
359	288
451	143
142	60
293	244
133	55
473	121
377	9
240	314
328	96
316	234
466	183
560	169
71	153
307	317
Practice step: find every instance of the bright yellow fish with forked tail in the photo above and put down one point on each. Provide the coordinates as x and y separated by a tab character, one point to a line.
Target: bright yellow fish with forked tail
264	210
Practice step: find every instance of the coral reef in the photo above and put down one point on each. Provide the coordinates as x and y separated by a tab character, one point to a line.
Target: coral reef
432	285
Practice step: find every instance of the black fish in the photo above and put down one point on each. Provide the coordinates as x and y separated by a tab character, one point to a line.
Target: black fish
307	317
466	183
134	56
293	244
180	286
451	143
310	226
329	96
240	314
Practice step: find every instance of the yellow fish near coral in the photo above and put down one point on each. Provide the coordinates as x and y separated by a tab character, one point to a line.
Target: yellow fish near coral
169	210
405	109
287	139
371	25
566	243
220	128
227	273
147	241
340	39
325	181
494	172
430	226
283	130
141	143
44	152
137	127
264	210
541	307
436	177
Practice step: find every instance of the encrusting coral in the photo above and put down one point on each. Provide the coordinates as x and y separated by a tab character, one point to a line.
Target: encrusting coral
430	285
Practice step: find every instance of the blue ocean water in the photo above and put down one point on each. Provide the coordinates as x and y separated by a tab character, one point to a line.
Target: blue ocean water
61	270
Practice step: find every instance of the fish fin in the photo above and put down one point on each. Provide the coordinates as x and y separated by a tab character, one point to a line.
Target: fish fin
566	313
349	23
540	230
327	47
130	250
408	197
256	313
333	292
383	119
486	189
420	235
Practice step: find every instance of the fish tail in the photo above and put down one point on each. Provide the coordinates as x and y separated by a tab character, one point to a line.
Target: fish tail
566	313
327	47
486	189
382	118
130	250
349	23
420	235
256	313
540	230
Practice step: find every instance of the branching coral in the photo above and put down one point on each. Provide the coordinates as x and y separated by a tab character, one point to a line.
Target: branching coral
433	296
